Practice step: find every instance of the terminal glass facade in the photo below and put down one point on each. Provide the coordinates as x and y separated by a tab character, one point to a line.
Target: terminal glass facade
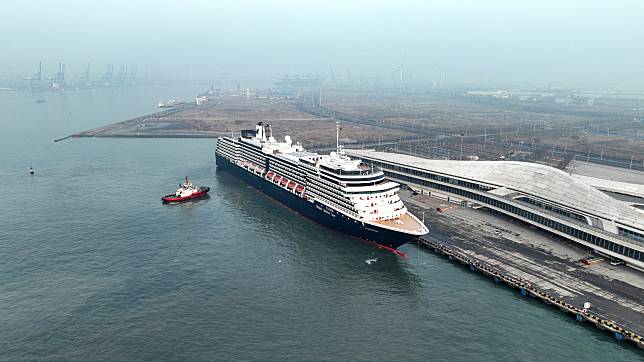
456	186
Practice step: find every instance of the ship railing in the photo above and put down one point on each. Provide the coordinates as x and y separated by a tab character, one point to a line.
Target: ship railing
338	207
371	171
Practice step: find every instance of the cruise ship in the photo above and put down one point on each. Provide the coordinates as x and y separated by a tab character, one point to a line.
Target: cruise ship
334	190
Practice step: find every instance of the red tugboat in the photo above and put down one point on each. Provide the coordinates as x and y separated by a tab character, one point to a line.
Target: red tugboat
185	192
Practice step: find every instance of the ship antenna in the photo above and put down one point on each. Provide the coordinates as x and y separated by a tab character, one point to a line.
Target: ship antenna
337	137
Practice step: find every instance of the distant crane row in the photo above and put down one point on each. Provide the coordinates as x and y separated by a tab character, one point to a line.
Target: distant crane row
57	81
399	73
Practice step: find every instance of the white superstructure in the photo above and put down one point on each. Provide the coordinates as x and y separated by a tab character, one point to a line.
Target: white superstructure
344	184
186	189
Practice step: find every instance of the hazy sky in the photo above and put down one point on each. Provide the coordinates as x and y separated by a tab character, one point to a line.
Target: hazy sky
570	43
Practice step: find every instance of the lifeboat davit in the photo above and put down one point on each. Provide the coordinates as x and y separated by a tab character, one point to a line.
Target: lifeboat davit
185	192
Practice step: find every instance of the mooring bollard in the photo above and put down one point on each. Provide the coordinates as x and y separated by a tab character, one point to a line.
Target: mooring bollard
619	334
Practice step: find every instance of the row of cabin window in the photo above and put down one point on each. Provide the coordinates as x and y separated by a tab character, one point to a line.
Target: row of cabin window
374	197
361	198
390	218
375	211
287	173
226	148
336	185
390	202
328	194
338	178
323	180
349	211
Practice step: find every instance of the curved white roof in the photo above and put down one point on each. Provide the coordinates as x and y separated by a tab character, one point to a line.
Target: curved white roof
621	187
542	181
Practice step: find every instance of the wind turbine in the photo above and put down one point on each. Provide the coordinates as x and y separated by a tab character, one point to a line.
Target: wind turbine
84	75
441	70
402	71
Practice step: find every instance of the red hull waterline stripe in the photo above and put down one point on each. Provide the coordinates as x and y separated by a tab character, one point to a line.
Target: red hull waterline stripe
175	199
380	246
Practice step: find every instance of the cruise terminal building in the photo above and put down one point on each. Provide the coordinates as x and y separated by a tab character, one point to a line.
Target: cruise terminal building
543	196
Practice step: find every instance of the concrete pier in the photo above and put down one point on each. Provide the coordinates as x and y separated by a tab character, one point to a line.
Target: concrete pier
534	264
528	288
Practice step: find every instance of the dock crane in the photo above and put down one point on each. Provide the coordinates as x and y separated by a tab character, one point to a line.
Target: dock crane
108	75
58	80
36	77
85	77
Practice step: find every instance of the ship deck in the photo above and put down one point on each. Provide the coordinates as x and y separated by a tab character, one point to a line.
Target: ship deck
408	223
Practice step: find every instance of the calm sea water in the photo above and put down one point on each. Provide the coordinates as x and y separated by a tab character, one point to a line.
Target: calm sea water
94	267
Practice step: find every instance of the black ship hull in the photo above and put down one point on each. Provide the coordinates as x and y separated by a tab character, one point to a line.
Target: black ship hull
316	211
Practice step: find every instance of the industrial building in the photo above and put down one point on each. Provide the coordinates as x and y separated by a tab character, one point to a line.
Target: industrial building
539	195
299	81
201	100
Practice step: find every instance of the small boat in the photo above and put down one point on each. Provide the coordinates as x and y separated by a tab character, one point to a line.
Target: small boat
31	170
41	101
171	103
185	192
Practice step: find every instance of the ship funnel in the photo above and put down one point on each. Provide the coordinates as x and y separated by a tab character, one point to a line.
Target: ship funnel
259	130
269	131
